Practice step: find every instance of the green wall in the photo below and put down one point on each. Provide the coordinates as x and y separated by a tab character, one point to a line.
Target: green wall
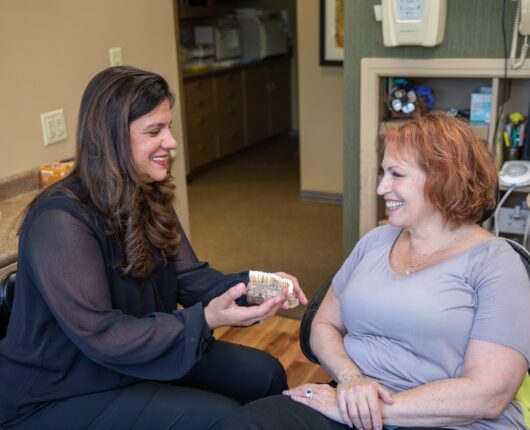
473	30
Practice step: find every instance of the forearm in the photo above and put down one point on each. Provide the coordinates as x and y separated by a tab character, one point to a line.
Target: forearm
327	343
454	401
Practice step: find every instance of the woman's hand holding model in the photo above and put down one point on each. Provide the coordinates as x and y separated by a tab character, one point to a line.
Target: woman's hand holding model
224	311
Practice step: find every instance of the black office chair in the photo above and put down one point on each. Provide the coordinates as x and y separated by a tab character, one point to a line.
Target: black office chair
7	292
314	303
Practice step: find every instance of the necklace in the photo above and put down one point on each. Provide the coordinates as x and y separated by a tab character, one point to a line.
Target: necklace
414	264
412	267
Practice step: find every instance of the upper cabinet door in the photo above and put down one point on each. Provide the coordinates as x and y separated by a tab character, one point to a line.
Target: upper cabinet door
195	8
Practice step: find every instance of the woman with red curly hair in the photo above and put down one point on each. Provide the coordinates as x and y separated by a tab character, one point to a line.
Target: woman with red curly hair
426	323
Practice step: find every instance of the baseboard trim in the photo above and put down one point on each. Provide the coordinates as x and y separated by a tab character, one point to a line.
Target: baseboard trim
321	197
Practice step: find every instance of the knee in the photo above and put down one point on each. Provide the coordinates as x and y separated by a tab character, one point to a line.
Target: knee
274	375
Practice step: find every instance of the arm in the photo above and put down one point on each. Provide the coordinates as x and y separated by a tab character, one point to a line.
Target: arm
327	333
197	282
358	398
491	376
67	267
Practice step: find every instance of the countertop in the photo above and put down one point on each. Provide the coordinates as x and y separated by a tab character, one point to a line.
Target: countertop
15	193
231	65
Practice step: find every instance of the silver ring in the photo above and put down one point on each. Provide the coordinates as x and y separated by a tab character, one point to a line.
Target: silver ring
308	394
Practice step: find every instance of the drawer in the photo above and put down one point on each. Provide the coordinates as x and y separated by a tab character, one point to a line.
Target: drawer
230	141
257	74
202	151
199	96
229	118
201	125
228	85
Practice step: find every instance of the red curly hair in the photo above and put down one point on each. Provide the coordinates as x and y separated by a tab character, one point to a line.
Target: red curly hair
462	176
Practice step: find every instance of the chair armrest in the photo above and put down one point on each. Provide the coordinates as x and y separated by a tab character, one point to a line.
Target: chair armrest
307	320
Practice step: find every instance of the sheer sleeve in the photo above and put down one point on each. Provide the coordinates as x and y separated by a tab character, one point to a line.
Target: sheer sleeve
67	266
199	282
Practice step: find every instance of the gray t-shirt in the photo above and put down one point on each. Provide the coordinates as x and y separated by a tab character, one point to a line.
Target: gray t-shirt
407	330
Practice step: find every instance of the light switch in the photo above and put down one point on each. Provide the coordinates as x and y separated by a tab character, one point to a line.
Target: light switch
116	58
53	126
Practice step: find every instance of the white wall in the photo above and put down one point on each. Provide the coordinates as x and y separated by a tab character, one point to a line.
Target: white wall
320	108
49	50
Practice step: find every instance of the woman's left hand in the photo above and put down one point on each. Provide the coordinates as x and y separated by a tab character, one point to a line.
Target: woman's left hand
297	290
320	397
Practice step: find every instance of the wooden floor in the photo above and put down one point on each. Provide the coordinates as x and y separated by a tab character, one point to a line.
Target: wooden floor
279	337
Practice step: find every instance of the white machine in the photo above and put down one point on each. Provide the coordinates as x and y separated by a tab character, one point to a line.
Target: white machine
515	173
227	35
521	23
413	22
263	34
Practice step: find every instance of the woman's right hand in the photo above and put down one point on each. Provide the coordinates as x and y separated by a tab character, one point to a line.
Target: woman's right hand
359	401
223	310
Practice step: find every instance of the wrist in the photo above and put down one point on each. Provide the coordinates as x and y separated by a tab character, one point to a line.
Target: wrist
349	376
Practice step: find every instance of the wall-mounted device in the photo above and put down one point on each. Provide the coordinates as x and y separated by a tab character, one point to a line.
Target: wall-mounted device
521	24
515	173
413	22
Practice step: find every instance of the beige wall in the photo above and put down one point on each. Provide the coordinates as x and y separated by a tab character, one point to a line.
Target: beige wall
49	49
320	108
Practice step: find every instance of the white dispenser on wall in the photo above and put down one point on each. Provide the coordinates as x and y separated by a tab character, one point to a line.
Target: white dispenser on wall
413	22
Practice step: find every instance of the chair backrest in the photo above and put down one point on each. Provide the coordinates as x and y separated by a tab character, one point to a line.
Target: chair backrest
314	303
7	293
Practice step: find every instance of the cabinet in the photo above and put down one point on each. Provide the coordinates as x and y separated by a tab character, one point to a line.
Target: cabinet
195	8
267	101
451	76
200	121
229	109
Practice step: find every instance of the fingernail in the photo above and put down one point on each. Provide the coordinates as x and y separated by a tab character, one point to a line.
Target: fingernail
240	288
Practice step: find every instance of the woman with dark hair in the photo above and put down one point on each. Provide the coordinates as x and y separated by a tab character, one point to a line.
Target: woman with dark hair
426	325
95	339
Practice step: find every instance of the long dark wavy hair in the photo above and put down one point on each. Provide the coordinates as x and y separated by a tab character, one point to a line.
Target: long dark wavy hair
138	212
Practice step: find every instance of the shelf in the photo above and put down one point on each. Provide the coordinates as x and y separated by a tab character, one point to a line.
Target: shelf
480	128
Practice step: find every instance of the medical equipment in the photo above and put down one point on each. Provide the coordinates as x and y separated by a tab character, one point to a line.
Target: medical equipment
515	173
413	22
521	23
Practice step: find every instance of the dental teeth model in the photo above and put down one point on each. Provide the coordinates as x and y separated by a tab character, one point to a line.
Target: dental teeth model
263	286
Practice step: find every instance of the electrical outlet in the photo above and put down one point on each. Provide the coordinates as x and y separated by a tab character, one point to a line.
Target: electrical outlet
53	126
116	58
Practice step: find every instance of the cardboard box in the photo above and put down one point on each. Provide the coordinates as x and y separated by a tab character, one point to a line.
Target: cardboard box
480	106
50	173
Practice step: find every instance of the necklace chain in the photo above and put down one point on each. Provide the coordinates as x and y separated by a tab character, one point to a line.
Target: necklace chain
413	266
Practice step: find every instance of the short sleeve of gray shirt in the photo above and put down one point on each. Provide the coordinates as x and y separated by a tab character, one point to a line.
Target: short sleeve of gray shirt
408	330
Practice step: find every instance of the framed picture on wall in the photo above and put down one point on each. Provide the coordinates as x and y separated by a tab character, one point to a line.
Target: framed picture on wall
331	32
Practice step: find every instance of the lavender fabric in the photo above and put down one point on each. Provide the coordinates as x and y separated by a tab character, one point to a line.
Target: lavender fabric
408	330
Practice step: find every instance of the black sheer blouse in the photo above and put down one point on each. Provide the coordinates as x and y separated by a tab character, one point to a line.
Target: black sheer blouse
78	326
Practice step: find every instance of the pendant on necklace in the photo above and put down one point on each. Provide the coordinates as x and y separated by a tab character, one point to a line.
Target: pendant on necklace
409	270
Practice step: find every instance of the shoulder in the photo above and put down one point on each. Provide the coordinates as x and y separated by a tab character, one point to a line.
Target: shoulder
494	261
378	240
383	235
68	198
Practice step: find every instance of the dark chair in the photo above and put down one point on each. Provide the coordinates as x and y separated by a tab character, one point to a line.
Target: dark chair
7	292
314	303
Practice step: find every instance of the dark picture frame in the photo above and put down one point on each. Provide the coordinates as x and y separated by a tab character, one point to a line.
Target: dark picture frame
331	32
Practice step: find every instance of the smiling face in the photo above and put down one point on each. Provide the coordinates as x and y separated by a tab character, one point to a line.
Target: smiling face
402	187
151	142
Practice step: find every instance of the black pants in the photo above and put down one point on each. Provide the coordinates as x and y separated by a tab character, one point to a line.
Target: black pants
281	412
227	376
